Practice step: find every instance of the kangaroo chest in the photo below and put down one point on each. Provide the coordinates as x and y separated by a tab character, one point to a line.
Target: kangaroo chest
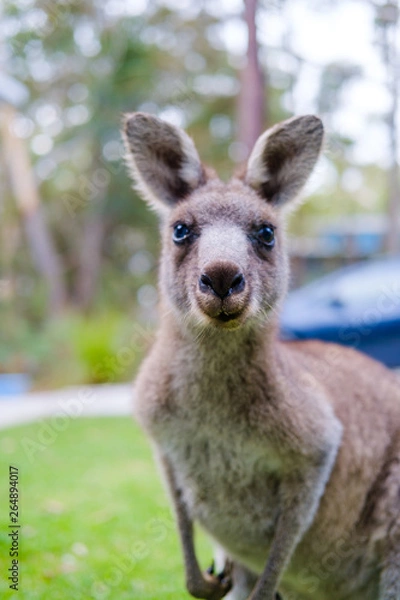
228	472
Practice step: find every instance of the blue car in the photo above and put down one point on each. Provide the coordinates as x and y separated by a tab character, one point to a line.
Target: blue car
357	306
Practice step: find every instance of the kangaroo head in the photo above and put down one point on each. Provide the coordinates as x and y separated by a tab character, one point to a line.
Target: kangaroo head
223	261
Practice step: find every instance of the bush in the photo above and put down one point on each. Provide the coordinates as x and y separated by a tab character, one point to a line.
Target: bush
75	349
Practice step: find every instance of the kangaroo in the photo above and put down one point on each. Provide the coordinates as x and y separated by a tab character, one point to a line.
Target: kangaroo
286	453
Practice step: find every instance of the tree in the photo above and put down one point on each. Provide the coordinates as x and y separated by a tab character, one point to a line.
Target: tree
28	202
253	91
387	18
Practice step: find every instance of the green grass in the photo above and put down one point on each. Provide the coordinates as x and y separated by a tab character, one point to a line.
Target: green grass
95	520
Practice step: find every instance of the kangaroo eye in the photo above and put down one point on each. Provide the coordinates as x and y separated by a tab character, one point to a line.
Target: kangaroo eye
266	235
181	233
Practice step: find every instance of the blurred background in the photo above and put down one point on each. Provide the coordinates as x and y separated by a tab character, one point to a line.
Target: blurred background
78	249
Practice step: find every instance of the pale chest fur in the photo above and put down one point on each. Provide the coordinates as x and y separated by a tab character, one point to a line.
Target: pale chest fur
208	430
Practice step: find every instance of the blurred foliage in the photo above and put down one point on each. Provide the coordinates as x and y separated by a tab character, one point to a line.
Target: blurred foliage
103	347
85	64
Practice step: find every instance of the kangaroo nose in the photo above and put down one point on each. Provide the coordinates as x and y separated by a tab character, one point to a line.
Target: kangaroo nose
222	280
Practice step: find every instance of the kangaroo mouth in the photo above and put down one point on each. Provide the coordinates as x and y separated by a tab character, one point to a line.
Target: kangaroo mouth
227	320
224	317
227	314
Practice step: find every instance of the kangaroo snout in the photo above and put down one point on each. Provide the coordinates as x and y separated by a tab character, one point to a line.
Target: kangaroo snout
222	279
222	293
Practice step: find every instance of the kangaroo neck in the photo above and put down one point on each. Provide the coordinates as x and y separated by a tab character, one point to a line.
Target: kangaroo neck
222	349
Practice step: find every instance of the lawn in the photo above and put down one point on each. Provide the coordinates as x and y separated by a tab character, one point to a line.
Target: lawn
95	520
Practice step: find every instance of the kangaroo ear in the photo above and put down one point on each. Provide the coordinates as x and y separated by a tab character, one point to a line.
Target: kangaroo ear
283	158
163	160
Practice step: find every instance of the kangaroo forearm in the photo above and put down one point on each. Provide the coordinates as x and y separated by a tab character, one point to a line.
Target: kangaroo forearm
300	504
185	525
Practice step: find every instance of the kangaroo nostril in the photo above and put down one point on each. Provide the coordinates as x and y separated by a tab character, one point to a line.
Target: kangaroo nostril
238	283
221	280
205	283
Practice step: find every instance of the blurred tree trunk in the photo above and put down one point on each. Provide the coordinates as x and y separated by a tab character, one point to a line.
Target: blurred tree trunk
27	199
90	260
393	235
387	19
251	113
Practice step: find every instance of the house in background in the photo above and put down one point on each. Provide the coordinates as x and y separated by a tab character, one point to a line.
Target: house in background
336	243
